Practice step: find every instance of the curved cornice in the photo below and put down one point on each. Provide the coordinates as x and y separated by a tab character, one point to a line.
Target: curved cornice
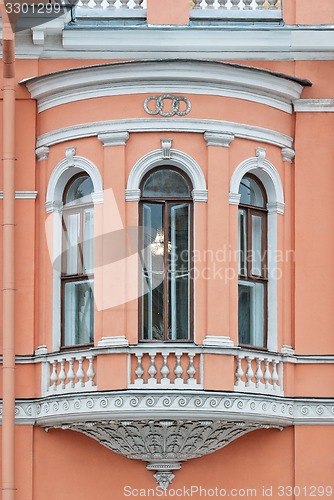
192	77
136	125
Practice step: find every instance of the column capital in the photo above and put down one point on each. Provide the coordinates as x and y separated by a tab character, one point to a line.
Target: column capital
288	154
218	139
113	138
42	153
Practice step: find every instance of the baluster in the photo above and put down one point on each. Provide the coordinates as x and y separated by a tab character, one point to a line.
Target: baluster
272	4
70	373
258	373
124	4
85	4
191	370
249	371
80	373
274	374
235	4
139	370
238	372
222	4
209	4
137	4
54	376
111	4
98	4
90	371
178	370
267	375
62	373
152	370
248	4
260	4
197	4
164	369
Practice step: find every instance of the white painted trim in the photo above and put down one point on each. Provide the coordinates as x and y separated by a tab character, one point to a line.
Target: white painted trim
218	139
217	341
288	154
119	341
271	181
314	105
199	126
23	195
178	159
236	15
62	173
113	138
168	76
42	153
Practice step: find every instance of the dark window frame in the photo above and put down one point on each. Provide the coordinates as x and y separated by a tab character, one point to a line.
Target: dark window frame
166	201
80	276
262	212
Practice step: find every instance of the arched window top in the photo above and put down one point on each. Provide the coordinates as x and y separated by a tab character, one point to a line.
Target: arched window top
252	192
166	183
79	190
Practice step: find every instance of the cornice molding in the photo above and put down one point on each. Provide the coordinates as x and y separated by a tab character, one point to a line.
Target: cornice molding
199	126
314	105
127	405
23	195
167	76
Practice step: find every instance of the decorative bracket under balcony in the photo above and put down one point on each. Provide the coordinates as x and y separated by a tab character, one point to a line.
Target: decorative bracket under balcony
165	444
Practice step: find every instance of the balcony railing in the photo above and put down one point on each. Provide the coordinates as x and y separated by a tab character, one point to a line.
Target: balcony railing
199	10
166	368
161	367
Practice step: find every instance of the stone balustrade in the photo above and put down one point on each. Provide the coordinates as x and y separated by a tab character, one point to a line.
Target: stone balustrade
259	373
68	373
165	368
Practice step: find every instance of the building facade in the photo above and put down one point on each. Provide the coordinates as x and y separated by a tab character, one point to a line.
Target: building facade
171	229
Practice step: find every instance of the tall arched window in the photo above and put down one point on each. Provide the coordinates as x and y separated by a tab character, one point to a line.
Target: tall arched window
166	217
253	265
77	276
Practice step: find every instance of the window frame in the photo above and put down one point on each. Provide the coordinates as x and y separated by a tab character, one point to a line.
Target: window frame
65	278
166	201
252	210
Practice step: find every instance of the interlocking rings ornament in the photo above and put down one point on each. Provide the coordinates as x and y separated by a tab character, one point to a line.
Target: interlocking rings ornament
175	105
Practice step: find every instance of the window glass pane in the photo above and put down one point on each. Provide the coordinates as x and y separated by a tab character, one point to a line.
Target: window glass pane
88	241
81	187
179	236
153	269
79	312
251	193
242	250
165	183
72	233
178	305
256	245
153	308
251	313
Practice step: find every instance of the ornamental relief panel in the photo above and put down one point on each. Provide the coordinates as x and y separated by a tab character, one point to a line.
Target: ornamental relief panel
167	105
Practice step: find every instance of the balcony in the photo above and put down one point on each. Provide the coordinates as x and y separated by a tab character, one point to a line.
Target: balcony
134	11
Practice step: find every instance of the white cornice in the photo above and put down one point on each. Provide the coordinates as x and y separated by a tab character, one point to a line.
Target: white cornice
125	405
216	139
314	105
23	195
196	77
239	130
113	138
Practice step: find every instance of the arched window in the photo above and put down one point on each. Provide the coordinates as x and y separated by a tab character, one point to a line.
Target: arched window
77	262
166	217
253	263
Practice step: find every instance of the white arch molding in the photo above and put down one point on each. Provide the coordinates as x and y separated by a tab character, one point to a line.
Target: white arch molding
60	176
62	173
269	176
176	158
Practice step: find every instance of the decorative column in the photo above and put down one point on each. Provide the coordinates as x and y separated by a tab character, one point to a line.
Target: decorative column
287	322
113	241
42	155
218	261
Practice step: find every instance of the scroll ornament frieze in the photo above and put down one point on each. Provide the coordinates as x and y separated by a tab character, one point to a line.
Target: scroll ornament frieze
167	105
